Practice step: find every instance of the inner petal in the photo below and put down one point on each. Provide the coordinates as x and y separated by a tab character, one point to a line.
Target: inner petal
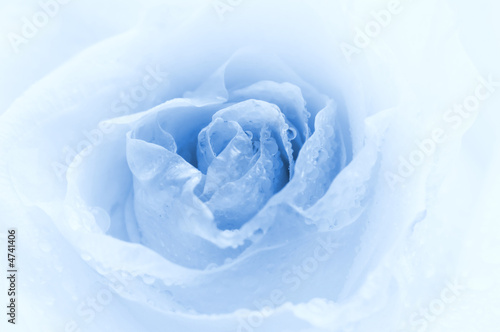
288	98
236	202
212	140
253	115
231	164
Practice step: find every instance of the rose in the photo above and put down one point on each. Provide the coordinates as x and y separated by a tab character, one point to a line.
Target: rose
244	155
307	253
205	180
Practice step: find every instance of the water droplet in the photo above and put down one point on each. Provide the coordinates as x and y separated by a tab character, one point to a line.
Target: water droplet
149	280
126	276
271	146
291	133
211	266
101	218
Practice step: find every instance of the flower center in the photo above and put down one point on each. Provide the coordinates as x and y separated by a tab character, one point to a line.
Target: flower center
246	155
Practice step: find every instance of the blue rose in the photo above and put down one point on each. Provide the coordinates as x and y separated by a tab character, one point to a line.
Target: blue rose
204	168
211	179
230	170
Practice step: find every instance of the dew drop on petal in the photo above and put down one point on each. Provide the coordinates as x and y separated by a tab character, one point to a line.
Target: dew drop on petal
149	280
